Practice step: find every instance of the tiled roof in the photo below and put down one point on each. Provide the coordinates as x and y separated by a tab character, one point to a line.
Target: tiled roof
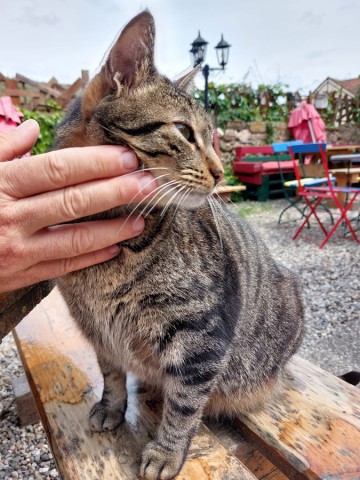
352	84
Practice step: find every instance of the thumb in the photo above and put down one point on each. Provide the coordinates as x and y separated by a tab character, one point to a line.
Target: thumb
19	141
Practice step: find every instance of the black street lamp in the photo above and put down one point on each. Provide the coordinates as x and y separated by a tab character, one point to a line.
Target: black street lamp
198	53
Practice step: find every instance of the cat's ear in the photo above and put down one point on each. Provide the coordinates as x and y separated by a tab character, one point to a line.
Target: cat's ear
186	82
131	59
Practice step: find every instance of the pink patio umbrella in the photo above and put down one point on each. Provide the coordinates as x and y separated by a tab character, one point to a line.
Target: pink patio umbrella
10	116
306	124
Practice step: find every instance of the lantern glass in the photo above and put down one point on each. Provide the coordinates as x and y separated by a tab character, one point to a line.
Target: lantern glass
198	50
222	52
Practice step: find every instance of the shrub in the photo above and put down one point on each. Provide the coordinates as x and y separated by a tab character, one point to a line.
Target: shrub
47	122
238	101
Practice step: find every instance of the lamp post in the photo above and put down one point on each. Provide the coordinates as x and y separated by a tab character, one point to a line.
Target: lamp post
198	53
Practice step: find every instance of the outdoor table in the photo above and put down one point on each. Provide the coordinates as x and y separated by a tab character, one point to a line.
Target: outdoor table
345	176
332	150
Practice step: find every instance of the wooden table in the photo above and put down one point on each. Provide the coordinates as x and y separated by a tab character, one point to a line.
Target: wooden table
341	149
344	178
333	153
225	191
342	166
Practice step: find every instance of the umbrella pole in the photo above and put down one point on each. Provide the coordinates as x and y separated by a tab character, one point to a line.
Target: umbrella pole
311	128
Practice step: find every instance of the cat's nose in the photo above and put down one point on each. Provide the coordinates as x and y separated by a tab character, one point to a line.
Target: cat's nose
218	175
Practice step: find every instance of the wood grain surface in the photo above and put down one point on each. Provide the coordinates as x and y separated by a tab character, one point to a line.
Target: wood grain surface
66	382
311	431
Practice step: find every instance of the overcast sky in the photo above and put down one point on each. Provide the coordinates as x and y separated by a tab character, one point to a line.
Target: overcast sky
297	42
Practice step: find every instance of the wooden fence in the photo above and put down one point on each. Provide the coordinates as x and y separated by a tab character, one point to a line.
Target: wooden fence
344	109
34	95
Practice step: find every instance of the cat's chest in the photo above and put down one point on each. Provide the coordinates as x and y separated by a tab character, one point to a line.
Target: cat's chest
114	319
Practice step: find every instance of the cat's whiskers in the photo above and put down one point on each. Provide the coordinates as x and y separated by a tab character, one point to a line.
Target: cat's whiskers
219	198
154	192
223	213
210	202
176	182
142	169
191	171
169	202
149	194
188	191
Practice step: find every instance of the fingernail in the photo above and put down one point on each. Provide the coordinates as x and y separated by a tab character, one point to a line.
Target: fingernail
147	184
114	250
138	225
129	160
27	124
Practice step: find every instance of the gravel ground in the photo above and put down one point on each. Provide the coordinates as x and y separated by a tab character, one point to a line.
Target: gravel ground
331	286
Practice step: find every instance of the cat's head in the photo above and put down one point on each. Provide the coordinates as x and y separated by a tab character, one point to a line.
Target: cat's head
130	103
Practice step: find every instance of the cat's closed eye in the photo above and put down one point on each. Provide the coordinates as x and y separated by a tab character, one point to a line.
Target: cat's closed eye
186	132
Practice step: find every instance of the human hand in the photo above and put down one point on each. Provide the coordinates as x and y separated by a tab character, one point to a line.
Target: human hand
40	192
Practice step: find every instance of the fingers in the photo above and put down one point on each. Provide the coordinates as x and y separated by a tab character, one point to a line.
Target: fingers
56	268
19	141
75	240
63	249
67	265
67	167
69	204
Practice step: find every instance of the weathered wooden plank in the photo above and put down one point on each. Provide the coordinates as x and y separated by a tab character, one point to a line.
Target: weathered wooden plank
25	403
15	305
245	451
66	382
312	430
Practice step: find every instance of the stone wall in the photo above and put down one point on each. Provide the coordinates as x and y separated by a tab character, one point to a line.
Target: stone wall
345	134
239	133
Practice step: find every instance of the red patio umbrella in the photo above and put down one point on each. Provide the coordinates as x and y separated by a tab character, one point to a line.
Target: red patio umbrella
10	116
306	124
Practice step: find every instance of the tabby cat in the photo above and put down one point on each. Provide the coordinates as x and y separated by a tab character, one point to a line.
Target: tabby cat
195	305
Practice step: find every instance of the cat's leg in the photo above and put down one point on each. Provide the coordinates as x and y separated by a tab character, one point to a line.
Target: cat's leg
186	390
109	412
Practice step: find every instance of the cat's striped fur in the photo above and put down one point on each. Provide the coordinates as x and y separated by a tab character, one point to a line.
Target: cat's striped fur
195	305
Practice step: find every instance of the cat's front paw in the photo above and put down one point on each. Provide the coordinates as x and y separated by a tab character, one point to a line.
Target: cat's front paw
103	418
159	464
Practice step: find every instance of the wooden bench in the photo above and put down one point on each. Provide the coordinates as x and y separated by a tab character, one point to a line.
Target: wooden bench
258	168
311	432
224	191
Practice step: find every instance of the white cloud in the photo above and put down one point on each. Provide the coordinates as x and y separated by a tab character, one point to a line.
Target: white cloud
299	43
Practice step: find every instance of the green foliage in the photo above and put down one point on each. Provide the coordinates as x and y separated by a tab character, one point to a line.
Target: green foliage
277	109
270	133
47	122
238	101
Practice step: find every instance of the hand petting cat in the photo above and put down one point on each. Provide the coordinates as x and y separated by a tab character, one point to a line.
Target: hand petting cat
40	195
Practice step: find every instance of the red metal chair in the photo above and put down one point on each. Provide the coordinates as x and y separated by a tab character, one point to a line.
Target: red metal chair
314	195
